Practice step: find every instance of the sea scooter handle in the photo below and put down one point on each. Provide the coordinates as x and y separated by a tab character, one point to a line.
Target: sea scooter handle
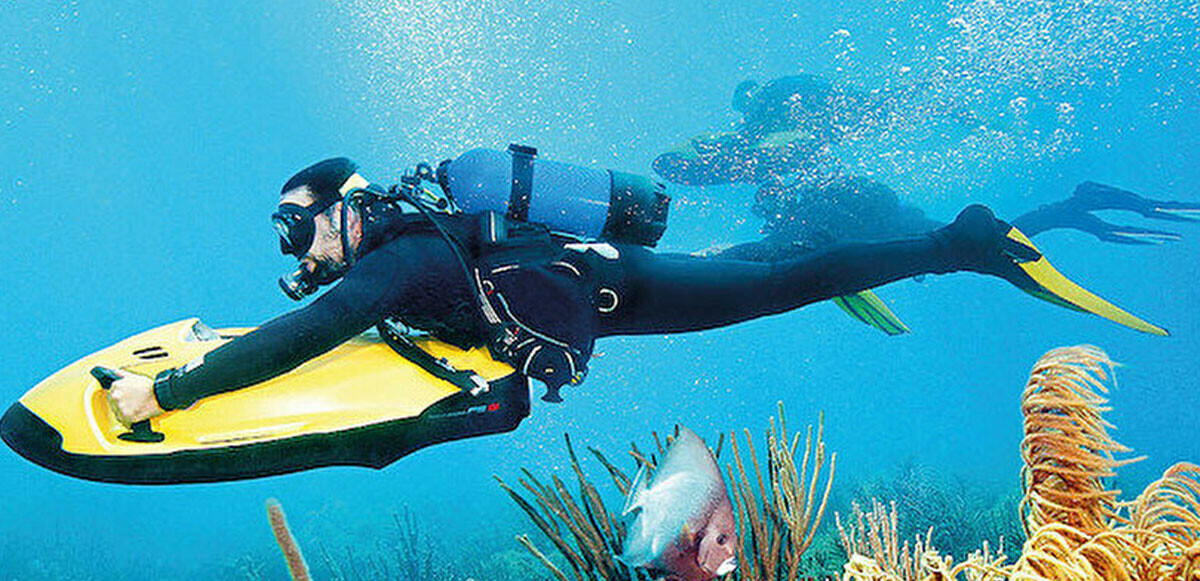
141	430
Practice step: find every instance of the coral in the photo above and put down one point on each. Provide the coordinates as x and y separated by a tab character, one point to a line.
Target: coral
777	516
778	524
589	538
1077	527
1067	449
512	564
408	553
876	534
297	568
960	513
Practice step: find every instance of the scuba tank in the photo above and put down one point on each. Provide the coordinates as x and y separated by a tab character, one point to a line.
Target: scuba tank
569	199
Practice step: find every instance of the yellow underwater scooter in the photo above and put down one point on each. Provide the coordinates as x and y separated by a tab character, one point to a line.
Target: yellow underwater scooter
370	401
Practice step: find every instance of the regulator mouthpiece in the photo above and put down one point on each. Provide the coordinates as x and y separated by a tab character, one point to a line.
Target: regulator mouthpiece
297	285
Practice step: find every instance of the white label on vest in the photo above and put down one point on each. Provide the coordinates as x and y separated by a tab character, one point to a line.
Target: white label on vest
604	249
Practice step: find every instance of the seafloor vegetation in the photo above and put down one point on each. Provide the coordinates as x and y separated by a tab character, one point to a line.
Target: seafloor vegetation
1067	522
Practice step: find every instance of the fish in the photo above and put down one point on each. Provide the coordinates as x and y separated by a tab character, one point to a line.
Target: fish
683	523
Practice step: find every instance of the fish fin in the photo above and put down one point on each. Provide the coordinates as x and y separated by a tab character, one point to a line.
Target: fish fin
636	491
657	544
727	567
685	532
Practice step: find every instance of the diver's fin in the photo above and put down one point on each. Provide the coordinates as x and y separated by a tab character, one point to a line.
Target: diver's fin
1051	285
867	307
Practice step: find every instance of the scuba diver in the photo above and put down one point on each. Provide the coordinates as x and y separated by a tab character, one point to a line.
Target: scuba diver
785	103
502	266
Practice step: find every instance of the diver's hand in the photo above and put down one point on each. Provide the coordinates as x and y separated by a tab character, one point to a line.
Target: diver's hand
132	397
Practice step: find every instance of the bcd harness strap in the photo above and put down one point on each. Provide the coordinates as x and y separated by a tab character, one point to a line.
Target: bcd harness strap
440	368
552	362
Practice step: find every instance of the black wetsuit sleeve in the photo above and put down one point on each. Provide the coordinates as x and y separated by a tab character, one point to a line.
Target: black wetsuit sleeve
359	301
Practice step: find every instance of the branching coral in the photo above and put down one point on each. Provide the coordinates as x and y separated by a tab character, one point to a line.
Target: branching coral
961	513
584	531
1077	528
875	534
778	524
410	556
777	516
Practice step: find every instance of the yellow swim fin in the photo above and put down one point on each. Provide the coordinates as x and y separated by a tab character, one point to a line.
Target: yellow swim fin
1047	283
867	307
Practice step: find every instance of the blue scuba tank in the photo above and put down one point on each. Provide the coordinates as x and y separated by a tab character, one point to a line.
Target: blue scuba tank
586	202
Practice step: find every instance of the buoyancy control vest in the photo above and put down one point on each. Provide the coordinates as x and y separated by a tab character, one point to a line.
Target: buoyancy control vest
534	296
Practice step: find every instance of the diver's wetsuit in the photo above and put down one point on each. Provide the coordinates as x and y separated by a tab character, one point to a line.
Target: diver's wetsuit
778	105
417	278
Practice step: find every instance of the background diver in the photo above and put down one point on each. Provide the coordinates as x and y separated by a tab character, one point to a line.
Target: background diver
788	125
538	300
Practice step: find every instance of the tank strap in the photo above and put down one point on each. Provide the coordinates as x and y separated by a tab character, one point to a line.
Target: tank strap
522	181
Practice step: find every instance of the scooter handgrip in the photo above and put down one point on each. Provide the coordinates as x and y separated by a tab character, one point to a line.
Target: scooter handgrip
105	376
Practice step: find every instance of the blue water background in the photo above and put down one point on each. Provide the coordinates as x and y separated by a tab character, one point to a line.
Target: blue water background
143	145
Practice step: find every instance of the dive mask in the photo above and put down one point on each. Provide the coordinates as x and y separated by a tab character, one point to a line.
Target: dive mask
295	226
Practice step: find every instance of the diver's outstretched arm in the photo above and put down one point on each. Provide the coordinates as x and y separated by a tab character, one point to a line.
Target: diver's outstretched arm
1076	213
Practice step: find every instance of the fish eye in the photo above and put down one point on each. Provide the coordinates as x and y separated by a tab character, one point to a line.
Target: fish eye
721	539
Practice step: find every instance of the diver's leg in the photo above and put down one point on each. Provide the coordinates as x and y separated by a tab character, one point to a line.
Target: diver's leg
1076	213
678	293
666	294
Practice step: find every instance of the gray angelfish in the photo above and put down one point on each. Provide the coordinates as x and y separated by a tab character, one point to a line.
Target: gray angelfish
684	524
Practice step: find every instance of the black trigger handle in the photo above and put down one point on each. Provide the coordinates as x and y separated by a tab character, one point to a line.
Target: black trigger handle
105	376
